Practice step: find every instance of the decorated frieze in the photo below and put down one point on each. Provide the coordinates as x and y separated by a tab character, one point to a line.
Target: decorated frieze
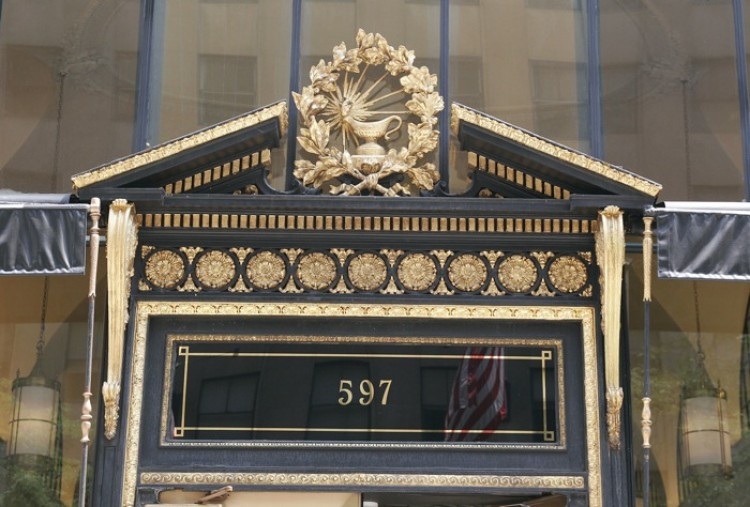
348	271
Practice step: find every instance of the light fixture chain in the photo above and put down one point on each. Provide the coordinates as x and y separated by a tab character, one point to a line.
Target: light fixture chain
43	318
701	355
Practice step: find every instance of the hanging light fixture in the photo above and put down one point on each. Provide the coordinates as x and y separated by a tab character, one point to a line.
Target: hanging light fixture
704	439
36	425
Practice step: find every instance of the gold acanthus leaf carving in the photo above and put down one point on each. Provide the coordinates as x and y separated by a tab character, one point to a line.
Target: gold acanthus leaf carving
328	106
122	242
111	396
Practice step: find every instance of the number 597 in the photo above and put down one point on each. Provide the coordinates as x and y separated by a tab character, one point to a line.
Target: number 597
367	392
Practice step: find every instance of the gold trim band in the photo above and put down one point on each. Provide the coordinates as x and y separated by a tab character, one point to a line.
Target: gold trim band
367	223
571	482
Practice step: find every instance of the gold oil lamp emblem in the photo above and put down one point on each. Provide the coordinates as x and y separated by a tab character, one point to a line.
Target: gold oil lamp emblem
351	138
370	155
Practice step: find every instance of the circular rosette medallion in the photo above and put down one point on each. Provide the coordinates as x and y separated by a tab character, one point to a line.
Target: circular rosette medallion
316	271
215	269
417	272
165	269
266	270
568	273
367	271
467	272
517	273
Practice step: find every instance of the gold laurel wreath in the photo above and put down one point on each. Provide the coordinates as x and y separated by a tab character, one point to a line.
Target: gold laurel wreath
324	97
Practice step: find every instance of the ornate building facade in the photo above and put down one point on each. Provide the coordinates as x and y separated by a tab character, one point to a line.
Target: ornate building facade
322	218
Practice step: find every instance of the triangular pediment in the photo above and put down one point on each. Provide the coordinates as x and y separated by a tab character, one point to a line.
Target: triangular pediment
511	162
222	158
233	157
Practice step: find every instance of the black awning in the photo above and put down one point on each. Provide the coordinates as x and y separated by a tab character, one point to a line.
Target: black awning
703	241
40	237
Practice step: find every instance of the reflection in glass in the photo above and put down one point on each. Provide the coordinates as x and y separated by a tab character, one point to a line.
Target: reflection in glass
297	390
675	340
216	60
522	61
670	102
67	89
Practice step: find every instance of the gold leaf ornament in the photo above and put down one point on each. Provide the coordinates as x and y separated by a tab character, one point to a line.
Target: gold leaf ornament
341	108
308	103
419	80
401	61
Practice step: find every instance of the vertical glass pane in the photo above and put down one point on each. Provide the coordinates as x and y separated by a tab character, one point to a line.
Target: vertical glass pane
67	89
411	23
45	453
216	59
670	103
699	348
523	61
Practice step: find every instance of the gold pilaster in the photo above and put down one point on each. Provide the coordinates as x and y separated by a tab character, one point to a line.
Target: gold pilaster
610	254
122	239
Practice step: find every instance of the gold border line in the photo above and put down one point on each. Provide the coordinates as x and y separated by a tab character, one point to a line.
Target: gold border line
543	356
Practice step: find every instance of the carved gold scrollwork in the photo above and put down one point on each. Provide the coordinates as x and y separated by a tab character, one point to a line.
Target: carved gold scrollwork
610	255
392	256
165	269
266	270
417	272
316	270
367	271
122	240
568	273
517	273
467	272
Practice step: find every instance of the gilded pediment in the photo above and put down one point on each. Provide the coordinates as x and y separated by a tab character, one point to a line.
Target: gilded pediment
367	124
508	161
219	159
233	158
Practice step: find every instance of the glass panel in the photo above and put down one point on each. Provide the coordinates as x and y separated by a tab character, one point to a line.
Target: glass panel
523	61
47	442
670	103
437	391
67	89
699	389
218	59
412	23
